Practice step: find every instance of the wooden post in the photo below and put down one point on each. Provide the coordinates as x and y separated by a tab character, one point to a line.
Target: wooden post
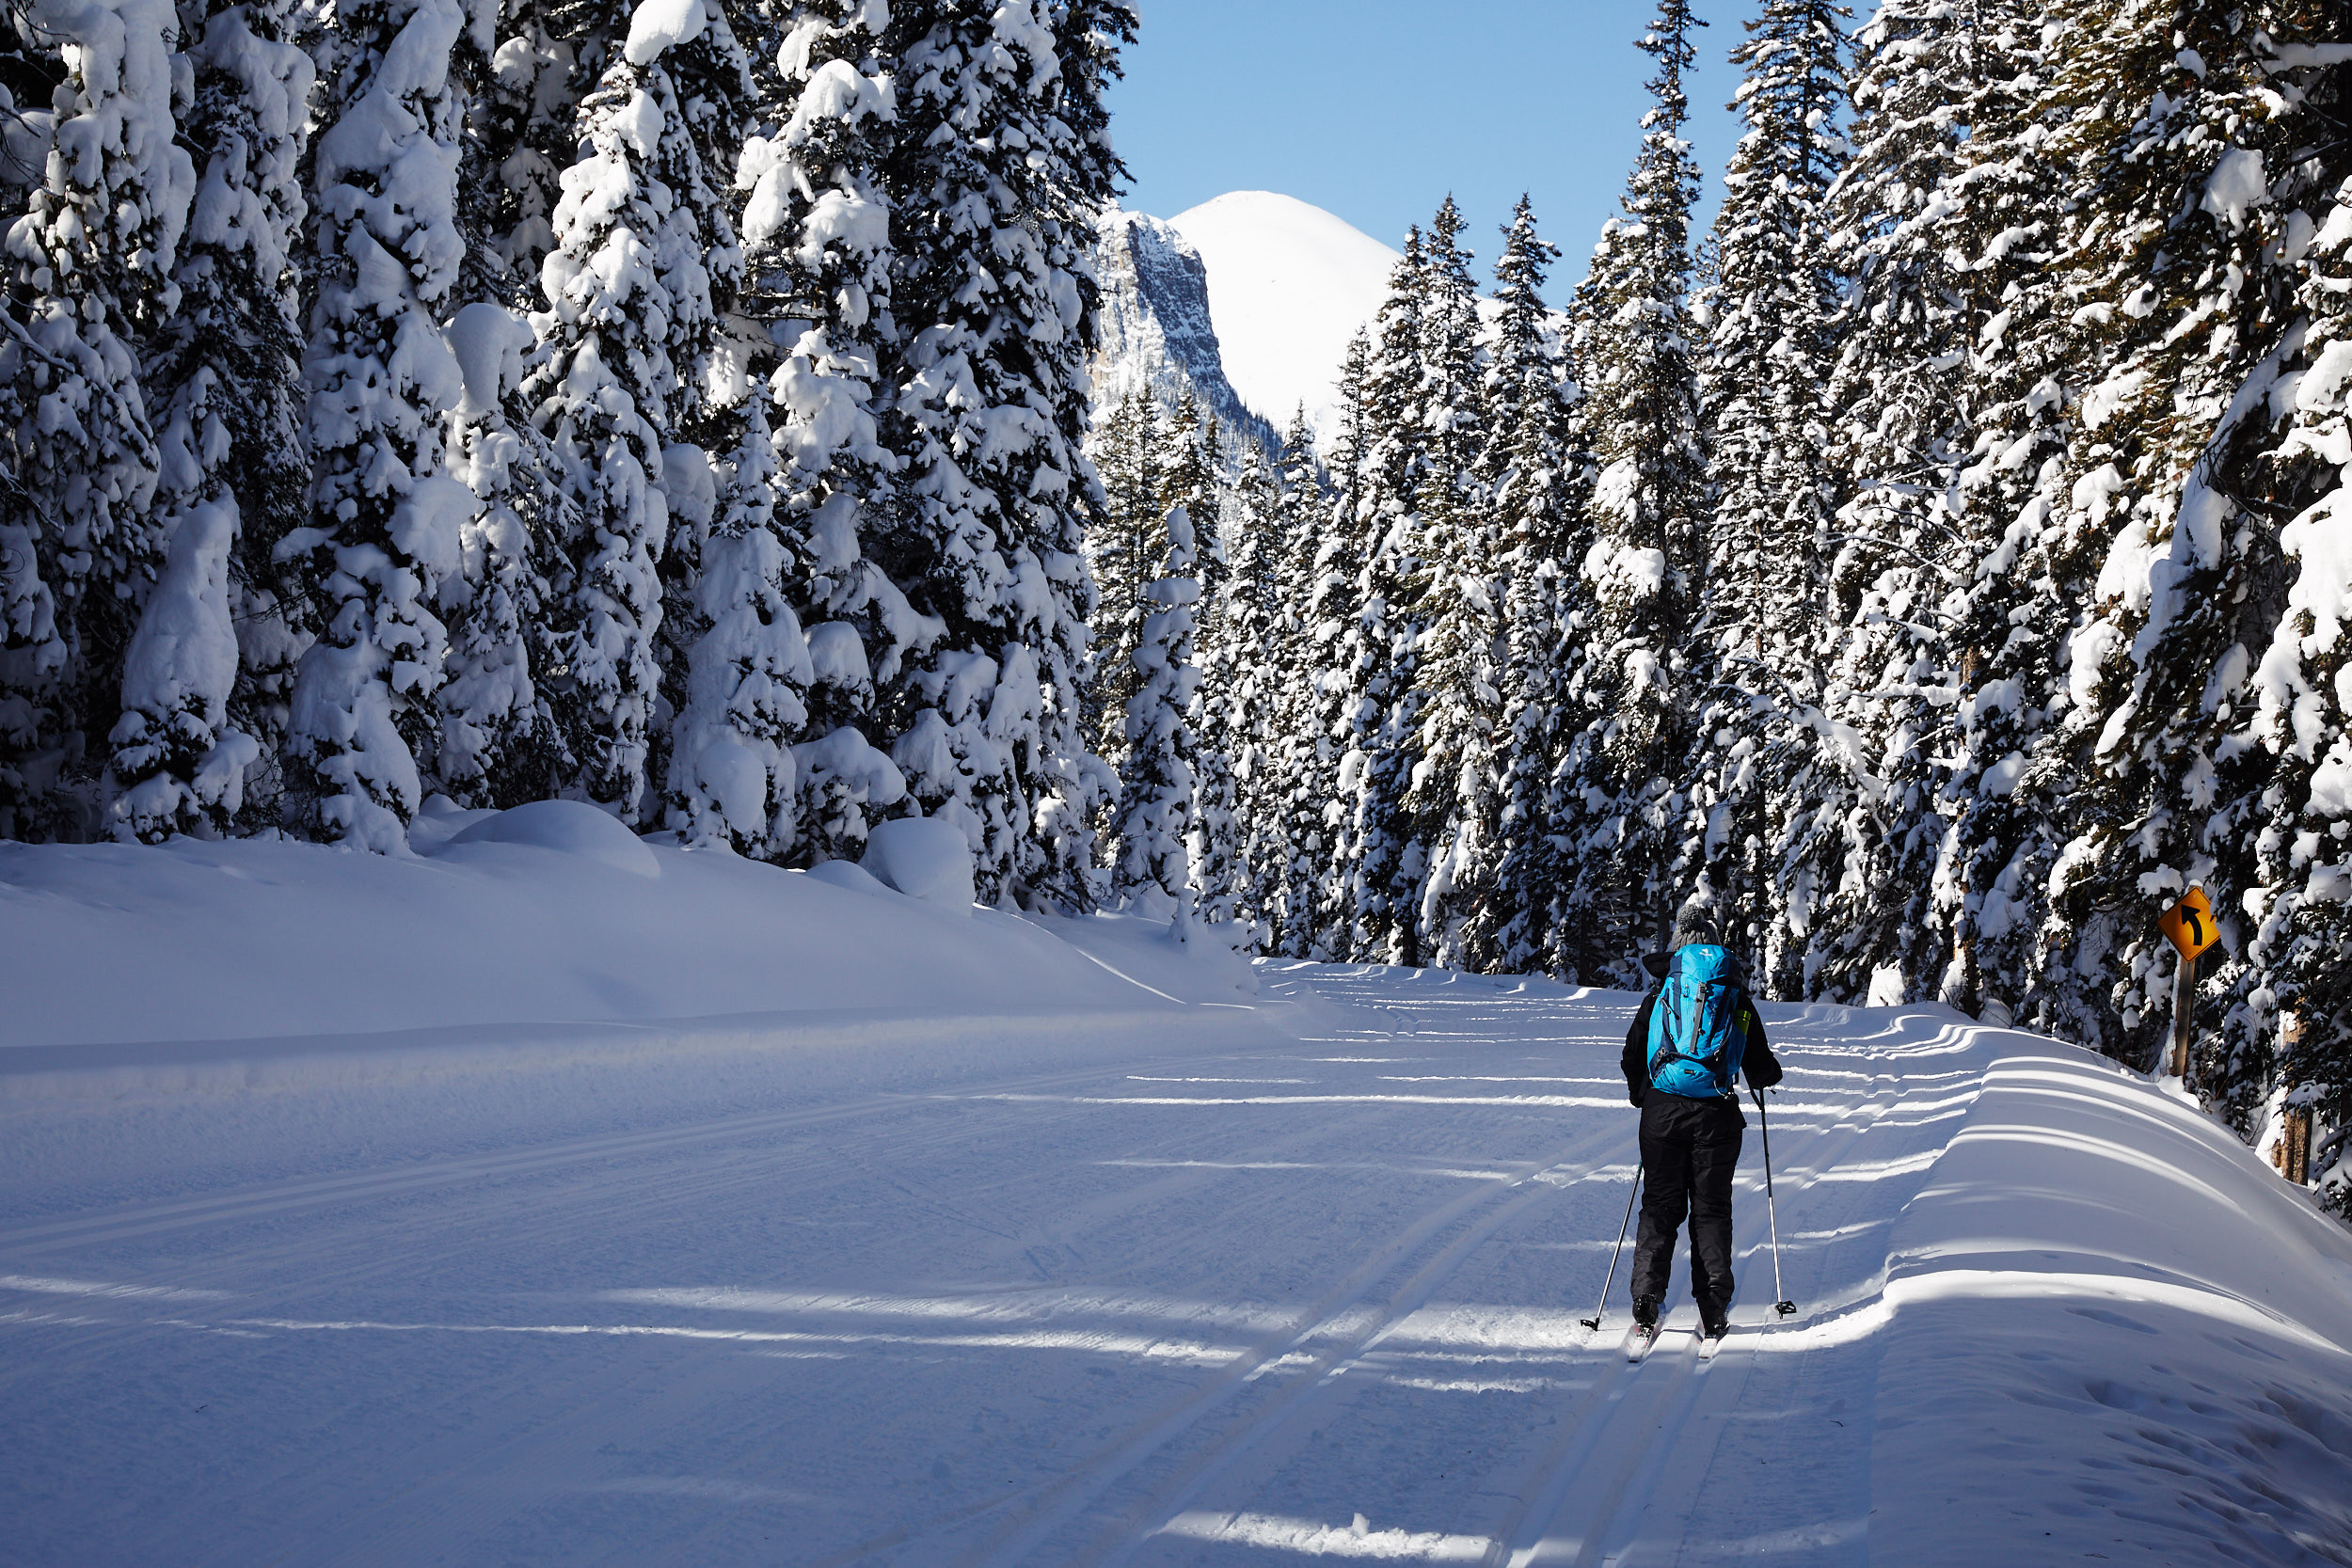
2184	1010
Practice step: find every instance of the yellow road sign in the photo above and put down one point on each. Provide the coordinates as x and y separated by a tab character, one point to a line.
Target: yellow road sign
2189	924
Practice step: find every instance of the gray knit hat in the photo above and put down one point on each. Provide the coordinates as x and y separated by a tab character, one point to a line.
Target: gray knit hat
1696	922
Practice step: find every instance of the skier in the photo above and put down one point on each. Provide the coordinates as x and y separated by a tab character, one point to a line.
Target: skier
1680	1069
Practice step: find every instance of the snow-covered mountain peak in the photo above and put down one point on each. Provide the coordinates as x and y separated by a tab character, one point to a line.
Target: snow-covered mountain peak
1289	284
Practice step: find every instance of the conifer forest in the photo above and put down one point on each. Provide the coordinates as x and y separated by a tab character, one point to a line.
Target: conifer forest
1937	567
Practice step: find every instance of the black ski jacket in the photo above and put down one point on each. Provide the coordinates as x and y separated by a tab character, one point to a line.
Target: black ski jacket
1757	1063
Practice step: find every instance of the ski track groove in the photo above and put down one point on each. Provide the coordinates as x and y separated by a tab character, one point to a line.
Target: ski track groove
1647	1445
1638	1422
1077	1490
183	1213
1144	1519
612	1194
1147	1435
1609	1420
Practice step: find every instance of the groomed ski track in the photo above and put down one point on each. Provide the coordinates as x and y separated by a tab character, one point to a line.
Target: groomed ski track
1205	1305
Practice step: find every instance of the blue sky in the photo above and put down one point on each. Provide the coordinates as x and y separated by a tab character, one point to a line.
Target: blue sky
1375	109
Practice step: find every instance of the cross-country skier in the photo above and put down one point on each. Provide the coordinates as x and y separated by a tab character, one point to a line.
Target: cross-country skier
1681	1062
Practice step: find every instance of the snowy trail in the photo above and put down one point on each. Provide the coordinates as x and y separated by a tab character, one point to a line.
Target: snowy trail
1213	1298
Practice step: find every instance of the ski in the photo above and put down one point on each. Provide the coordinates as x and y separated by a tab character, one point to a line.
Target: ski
1638	1340
1710	1343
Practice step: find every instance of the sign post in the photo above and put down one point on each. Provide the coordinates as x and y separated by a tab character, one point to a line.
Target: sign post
2189	927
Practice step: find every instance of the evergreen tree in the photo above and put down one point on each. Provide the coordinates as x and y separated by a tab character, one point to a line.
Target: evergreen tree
1449	775
91	264
1767	357
497	740
795	505
1238	854
1190	478
548	53
1125	548
2193	186
386	518
1376	863
2001	228
1863	831
1647	565
2287	1038
629	325
1155	800
1001	164
1298	799
206	682
1534	476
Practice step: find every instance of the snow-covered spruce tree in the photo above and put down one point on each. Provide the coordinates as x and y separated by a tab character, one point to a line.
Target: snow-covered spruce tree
794	505
1199	468
1302	793
1150	832
2197	179
205	686
709	75
1647	562
1001	164
733	777
1238	864
623	344
2003	620
498	741
1195	482
91	269
1862	828
1373	861
1124	548
1768	356
1340	663
2287	1036
1451	795
1533	478
386	519
833	263
548	53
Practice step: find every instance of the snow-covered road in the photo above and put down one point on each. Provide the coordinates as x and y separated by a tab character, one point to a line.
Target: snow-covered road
1214	1297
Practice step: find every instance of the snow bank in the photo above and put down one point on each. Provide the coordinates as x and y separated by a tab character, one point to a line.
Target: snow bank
547	915
2112	1332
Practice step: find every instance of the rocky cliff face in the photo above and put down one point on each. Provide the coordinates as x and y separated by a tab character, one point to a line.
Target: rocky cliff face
1156	333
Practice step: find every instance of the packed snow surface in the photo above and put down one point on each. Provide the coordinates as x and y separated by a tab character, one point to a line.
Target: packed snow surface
1289	284
509	1203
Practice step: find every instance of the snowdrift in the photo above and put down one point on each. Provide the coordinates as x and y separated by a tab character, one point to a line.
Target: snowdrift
2108	1330
540	934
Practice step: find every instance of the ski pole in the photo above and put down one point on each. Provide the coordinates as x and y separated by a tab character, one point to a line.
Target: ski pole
1593	1323
1784	1306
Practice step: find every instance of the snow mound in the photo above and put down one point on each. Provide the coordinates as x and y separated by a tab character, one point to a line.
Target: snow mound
1289	284
925	857
849	874
195	964
566	826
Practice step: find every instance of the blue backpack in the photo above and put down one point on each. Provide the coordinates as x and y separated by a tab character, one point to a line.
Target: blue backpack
1698	1028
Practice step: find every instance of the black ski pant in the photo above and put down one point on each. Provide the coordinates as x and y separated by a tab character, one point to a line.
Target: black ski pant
1690	1149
